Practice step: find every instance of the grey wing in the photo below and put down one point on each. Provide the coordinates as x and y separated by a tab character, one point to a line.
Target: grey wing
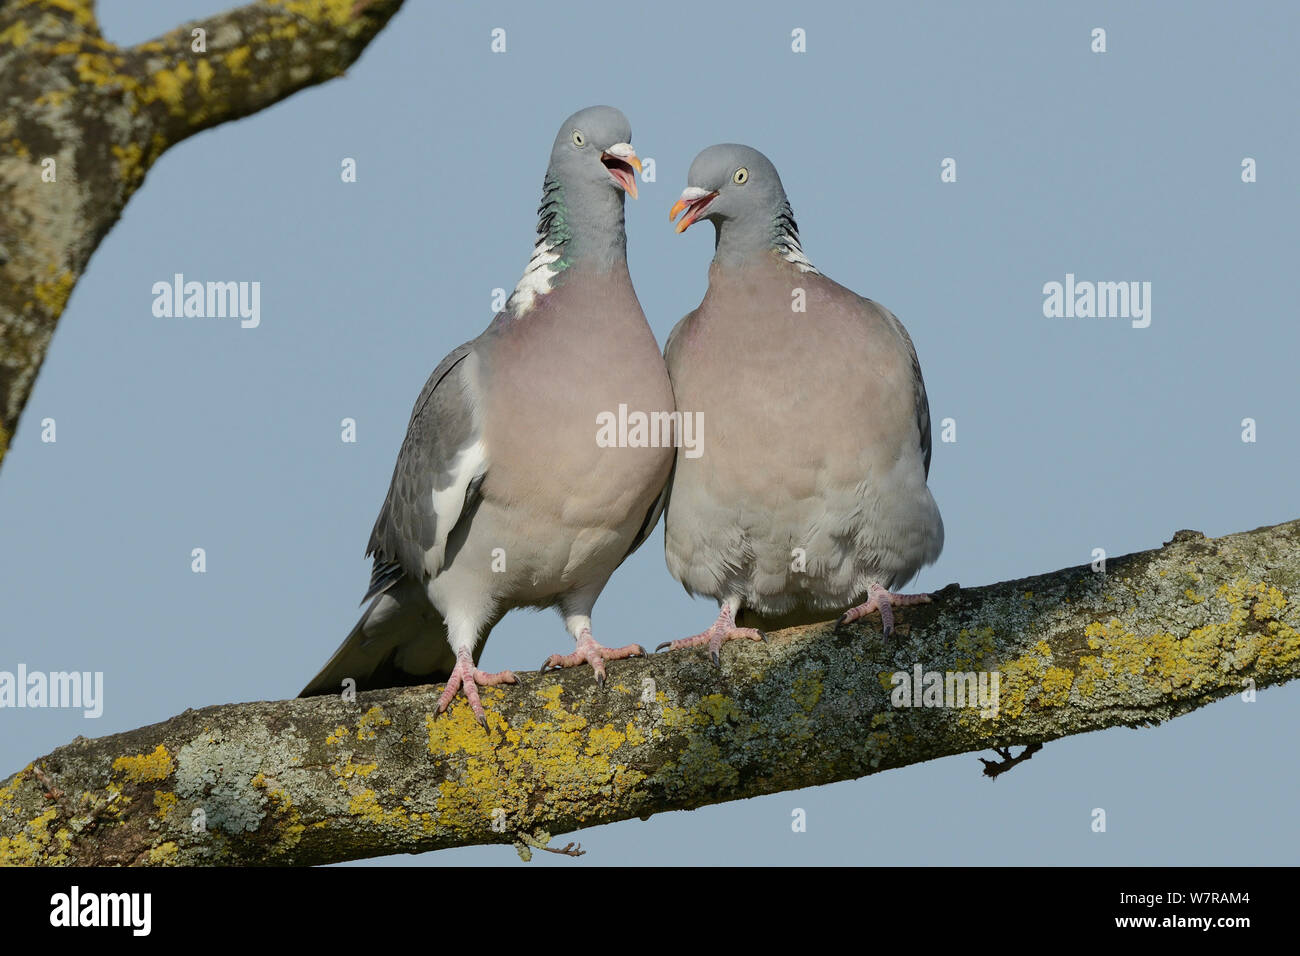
436	479
920	399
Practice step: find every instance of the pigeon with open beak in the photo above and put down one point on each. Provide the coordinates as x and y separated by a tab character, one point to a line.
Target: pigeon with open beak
503	496
810	496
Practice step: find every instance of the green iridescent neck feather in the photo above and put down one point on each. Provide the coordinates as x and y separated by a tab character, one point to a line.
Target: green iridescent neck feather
553	223
588	231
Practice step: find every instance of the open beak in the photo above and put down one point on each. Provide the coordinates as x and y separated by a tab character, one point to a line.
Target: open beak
620	159
695	201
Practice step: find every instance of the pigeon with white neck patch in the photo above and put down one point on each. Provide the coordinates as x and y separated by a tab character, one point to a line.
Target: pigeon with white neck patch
502	496
811	493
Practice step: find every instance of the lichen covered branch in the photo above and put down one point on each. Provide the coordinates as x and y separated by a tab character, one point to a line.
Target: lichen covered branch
83	120
1155	635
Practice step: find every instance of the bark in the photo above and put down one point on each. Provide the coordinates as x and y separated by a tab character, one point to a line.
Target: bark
104	114
1155	635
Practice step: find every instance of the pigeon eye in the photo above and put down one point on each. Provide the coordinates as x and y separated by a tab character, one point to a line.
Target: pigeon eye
740	176
578	139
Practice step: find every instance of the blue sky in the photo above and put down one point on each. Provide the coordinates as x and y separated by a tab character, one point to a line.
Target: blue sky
1072	434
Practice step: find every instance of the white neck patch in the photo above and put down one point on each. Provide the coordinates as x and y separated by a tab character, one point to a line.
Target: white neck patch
536	279
792	251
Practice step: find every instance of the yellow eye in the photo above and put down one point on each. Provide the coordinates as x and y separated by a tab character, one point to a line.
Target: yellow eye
740	176
578	139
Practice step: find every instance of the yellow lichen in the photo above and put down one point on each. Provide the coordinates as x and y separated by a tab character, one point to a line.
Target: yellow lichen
53	97
336	13
17	35
347	769
236	58
145	768
163	854
1056	686
504	771
83	11
53	293
31	845
1172	663
7	793
130	166
718	709
203	71
165	803
604	740
97	70
366	806
1020	681
288	818
169	87
1270	602
370	722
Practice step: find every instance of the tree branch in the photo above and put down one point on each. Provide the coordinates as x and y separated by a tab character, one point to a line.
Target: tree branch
104	114
1156	635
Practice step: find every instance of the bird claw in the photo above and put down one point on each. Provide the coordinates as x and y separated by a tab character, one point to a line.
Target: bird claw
879	599
721	631
466	678
593	654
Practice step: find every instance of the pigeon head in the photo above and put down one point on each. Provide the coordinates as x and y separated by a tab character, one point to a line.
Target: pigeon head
580	219
592	152
738	189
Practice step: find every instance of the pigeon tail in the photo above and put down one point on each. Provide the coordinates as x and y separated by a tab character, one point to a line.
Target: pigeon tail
400	640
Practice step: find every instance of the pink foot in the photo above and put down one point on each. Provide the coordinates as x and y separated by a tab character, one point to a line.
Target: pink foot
589	652
883	601
465	676
723	629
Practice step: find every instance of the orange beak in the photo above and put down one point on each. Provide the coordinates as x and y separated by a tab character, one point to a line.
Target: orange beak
620	159
695	201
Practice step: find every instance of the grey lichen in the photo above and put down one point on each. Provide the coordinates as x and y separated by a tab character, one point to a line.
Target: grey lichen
217	773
